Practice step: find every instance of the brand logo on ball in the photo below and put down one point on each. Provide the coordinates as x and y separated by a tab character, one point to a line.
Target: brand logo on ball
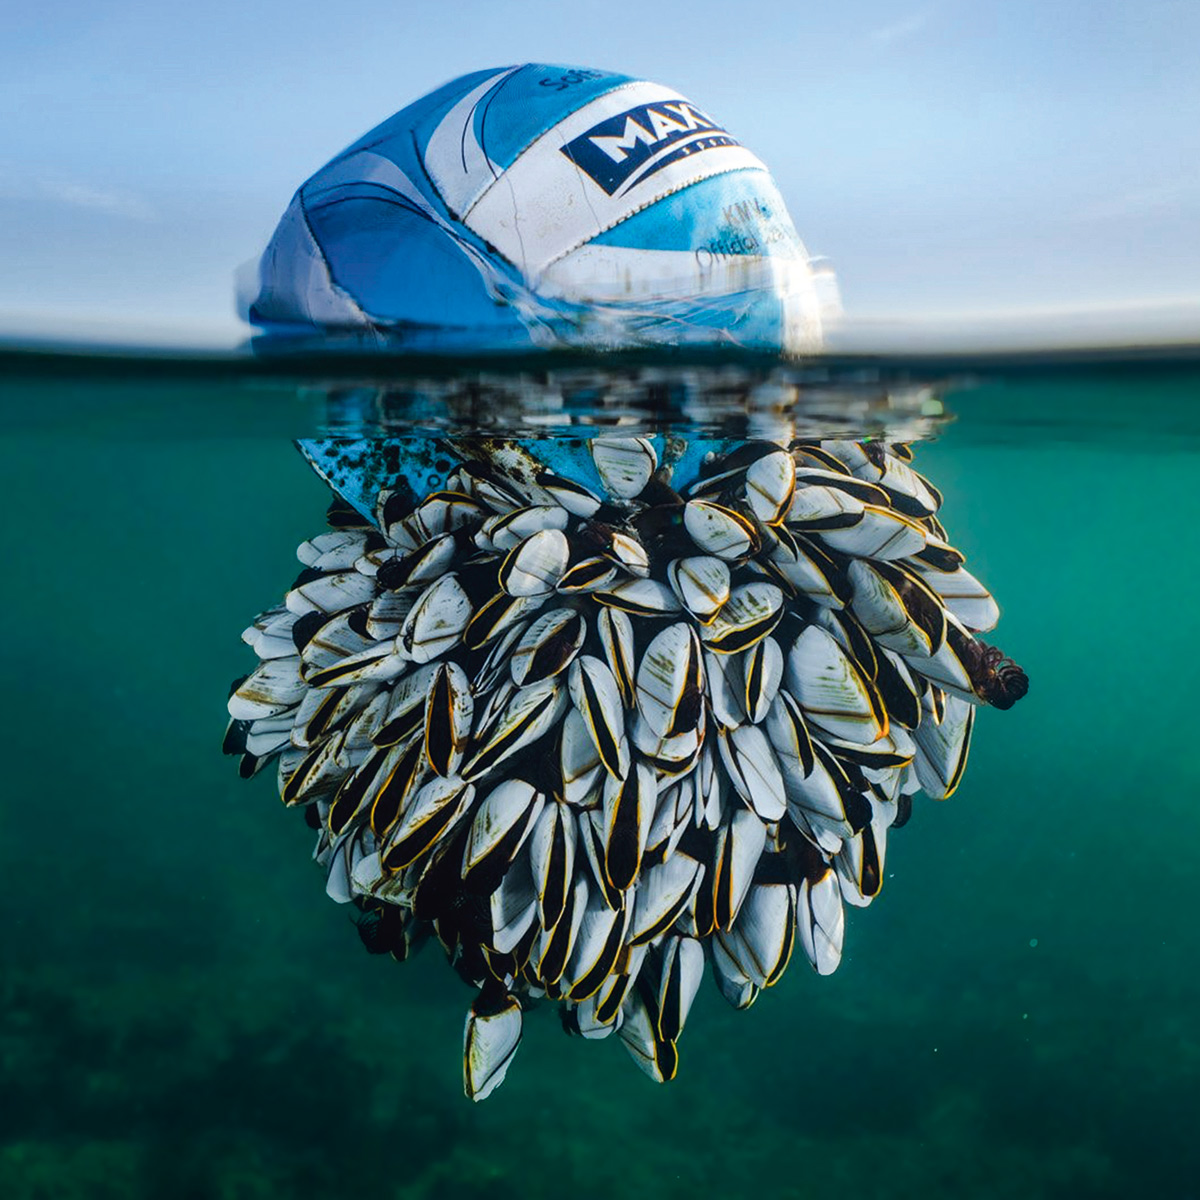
623	150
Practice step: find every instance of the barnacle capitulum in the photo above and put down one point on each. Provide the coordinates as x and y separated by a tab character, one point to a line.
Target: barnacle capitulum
599	730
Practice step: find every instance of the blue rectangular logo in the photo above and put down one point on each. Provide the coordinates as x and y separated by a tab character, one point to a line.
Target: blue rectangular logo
623	150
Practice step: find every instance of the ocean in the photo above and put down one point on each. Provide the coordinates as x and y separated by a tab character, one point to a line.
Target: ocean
184	1013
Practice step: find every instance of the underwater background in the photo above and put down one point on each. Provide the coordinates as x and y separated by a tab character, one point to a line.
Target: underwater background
184	1013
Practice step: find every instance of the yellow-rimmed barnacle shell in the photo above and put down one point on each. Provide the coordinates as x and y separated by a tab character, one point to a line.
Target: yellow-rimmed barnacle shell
600	741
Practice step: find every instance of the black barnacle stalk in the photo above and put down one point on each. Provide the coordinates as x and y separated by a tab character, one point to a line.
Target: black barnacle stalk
996	678
601	744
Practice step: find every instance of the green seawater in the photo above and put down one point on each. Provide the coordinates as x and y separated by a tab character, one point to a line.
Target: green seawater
183	1012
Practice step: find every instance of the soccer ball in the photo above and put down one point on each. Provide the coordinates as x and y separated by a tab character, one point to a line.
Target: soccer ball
541	206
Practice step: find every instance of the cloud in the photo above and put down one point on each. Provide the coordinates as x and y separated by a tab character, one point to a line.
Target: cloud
113	202
905	27
1142	202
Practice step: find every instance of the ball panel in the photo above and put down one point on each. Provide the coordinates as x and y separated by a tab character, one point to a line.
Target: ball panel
401	266
597	167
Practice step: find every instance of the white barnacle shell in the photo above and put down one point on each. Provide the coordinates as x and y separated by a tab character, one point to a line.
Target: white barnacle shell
595	745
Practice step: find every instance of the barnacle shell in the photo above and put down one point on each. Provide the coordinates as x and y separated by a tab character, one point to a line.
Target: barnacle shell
596	742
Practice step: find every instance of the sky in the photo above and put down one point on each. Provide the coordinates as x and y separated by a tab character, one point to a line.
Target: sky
958	161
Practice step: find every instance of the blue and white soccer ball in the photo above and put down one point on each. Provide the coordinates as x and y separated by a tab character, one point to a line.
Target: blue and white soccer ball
541	206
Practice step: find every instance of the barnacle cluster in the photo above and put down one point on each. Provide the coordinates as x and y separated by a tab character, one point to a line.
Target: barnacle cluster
596	730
